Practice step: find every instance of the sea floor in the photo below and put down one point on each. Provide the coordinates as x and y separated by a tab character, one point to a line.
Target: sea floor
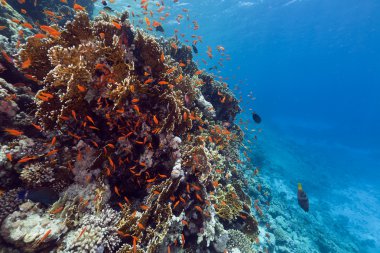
344	195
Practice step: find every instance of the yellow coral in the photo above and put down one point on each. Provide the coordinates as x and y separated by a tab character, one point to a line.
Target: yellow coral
228	205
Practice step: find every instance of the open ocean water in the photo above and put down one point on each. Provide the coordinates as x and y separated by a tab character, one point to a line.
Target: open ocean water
311	69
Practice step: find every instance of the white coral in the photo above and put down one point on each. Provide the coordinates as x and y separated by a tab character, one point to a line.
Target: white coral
97	233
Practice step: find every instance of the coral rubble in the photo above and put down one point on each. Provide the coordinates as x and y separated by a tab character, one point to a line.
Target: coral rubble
140	147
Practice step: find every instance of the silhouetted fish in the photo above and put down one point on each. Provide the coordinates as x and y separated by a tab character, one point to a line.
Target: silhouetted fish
160	28
42	195
256	118
108	9
104	3
303	200
195	49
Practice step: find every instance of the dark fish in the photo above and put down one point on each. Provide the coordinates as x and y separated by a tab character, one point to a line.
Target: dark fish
195	49
104	3
303	200
109	9
160	28
44	195
256	118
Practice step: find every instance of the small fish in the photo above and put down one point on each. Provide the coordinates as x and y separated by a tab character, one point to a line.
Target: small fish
303	200
150	80
117	191
195	49
116	24
40	36
256	118
9	156
155	119
58	210
78	7
13	132
43	238
82	232
141	226
81	88
147	21
108	9
162	58
27	25
50	30
159	28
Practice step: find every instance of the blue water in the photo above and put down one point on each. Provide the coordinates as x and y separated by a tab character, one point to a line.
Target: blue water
313	67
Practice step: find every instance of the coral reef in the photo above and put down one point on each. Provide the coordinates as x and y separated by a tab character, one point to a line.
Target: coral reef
27	228
140	145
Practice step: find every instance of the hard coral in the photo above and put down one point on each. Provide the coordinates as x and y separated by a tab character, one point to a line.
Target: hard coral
126	114
228	204
96	233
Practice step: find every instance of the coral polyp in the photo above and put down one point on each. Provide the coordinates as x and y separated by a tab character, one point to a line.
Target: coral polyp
137	145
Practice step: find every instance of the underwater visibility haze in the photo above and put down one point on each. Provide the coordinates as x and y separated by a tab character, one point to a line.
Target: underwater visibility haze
190	126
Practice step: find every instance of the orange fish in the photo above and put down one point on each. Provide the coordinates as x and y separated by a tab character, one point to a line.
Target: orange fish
122	234
26	64
198	72
171	70
136	108
134	244
141	226
39	36
163	82
148	81
162	58
50	30
81	88
26	158
6	56
52	152
9	156
156	24
82	232
155	119
13	131
58	210
43	238
144	207
27	25
147	21
78	7
116	24
117	191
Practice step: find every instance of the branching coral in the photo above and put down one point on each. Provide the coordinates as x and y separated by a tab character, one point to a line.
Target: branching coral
9	202
239	242
97	233
37	174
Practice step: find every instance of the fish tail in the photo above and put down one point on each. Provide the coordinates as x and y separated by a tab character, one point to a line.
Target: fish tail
299	186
